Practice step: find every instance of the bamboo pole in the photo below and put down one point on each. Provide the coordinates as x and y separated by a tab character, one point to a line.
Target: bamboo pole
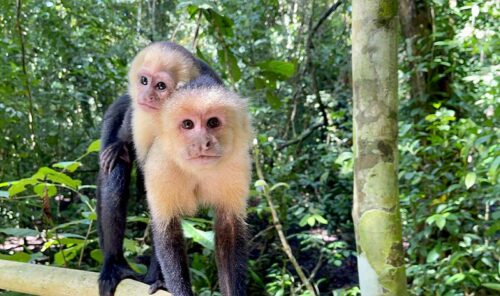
54	281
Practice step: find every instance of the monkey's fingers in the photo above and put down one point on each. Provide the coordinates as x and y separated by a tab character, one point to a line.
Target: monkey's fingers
124	155
108	159
158	285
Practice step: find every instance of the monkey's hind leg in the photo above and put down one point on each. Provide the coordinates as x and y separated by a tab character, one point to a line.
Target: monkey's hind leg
171	253
112	196
231	253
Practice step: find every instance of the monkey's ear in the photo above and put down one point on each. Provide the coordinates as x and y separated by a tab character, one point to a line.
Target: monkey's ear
180	84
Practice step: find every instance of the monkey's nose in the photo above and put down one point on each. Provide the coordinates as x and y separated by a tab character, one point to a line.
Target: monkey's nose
208	144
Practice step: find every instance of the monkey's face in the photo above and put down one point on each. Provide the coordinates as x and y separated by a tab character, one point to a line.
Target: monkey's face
153	87
204	137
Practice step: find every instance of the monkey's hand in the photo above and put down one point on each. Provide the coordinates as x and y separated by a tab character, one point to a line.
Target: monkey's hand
154	277
112	274
158	285
111	154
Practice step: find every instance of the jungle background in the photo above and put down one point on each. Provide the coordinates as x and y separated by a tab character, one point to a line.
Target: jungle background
63	62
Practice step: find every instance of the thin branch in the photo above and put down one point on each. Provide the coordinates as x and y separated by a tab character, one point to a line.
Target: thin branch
196	32
85	244
31	116
309	48
279	228
325	15
306	133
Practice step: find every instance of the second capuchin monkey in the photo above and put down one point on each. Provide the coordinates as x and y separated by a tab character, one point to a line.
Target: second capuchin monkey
200	157
156	73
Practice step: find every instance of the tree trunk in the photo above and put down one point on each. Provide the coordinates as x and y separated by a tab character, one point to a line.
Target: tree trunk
376	205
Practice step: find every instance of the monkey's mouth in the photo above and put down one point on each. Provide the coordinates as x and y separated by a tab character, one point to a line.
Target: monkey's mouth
205	158
149	107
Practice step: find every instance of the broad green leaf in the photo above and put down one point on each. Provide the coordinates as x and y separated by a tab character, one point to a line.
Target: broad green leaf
282	68
303	221
19	257
20	186
44	188
19	232
204	238
56	177
440	221
433	255
456	278
273	100
69	166
470	180
311	221
492	286
234	69
320	219
94	146
97	255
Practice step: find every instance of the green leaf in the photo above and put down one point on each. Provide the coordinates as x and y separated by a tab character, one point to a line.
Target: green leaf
311	221
303	221
234	69
56	177
273	100
45	188
69	166
94	146
19	232
320	219
455	279
204	238
20	186
285	69
97	255
260	185
19	257
138	219
433	255
470	180
440	221
278	185
492	286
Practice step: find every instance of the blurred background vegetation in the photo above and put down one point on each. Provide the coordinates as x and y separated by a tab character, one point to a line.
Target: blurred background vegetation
63	62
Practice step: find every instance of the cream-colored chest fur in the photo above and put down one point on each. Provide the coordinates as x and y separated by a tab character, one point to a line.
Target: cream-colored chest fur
173	191
144	130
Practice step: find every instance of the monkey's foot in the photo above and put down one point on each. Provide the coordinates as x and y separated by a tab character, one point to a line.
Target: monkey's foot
111	275
157	285
111	154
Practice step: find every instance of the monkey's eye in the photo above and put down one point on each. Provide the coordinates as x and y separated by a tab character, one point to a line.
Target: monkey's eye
161	85
144	80
213	122
187	124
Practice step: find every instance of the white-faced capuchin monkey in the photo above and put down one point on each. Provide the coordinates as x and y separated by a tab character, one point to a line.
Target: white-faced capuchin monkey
156	73
200	157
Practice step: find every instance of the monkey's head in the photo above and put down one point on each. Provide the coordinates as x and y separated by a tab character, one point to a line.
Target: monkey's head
206	126
157	71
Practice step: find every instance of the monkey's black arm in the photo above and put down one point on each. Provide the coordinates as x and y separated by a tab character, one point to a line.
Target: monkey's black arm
231	253
171	253
112	197
117	127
